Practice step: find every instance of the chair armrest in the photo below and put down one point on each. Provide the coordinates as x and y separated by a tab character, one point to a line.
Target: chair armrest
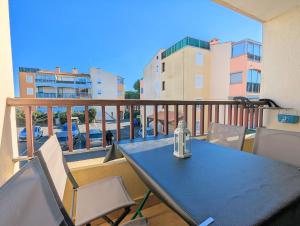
22	158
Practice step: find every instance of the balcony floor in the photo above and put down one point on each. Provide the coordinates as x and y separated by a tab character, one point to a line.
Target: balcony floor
158	215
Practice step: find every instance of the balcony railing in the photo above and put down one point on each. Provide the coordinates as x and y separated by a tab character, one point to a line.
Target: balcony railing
227	112
63	83
63	95
38	80
46	95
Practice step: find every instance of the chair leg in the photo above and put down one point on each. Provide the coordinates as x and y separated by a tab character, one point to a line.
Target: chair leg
108	220
139	210
123	215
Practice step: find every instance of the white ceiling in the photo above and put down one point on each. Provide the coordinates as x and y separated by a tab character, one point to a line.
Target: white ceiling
262	10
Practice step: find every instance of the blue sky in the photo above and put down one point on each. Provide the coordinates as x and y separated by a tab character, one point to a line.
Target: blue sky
115	35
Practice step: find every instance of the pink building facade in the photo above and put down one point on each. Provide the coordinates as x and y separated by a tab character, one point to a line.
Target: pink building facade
245	69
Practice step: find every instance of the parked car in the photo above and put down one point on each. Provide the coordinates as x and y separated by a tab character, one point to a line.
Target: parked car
37	132
149	132
62	135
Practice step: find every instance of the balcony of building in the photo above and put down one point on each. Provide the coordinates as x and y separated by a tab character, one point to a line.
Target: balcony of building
87	165
63	95
281	54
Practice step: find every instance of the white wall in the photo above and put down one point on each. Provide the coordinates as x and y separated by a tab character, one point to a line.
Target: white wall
281	65
8	134
220	71
152	81
152	78
108	88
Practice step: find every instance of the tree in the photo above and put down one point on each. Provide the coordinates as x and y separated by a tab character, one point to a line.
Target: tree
134	94
136	86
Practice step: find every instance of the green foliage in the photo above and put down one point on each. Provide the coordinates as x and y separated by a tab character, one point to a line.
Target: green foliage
132	95
135	94
81	116
62	117
126	115
20	117
136	113
136	86
40	117
92	114
37	117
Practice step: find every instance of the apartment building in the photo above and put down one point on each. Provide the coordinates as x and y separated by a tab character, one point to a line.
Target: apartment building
98	84
152	75
193	69
245	69
37	83
106	85
180	72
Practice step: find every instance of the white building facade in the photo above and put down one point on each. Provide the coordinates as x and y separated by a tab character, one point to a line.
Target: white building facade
106	85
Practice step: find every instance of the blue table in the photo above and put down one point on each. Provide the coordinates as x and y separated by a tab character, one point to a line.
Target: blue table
233	187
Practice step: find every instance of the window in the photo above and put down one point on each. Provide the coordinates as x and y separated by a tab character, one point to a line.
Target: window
142	90
163	85
199	81
250	48
45	78
156	57
29	91
254	51
236	78
163	67
29	79
238	49
199	59
157	68
253	81
99	92
99	81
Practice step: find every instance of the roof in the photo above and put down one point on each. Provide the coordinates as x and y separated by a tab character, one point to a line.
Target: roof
187	41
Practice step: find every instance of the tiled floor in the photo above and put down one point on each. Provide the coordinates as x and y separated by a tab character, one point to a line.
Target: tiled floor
158	215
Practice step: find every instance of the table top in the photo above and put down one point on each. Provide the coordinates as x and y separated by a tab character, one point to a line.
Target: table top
231	186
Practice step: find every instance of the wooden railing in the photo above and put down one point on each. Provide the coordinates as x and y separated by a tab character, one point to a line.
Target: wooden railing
234	113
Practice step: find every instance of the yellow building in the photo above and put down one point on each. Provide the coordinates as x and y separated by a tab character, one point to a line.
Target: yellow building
185	71
181	72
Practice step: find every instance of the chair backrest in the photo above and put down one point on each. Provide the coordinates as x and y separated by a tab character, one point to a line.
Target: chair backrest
53	162
278	144
27	199
230	136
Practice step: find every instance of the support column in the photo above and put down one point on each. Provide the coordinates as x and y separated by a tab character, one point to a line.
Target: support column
8	132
